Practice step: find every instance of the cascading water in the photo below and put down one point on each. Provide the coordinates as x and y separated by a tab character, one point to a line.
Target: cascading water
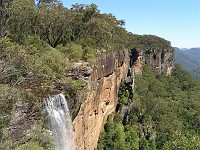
60	121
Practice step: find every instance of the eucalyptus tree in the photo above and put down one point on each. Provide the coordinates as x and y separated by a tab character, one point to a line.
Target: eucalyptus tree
53	22
122	23
22	20
100	31
48	1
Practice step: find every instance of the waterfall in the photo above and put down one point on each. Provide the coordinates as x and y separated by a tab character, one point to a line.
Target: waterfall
60	122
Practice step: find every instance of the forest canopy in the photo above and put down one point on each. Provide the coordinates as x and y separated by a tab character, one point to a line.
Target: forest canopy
82	24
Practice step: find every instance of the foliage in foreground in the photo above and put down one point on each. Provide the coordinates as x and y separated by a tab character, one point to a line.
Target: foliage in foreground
27	74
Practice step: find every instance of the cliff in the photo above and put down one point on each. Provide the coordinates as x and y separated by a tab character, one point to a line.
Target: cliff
104	81
160	60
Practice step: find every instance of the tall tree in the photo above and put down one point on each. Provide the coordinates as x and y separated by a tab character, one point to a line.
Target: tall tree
54	23
122	23
22	19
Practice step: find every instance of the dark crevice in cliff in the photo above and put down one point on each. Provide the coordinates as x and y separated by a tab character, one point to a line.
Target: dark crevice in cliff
133	56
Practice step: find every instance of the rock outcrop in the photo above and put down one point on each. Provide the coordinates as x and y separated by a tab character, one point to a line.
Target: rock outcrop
160	60
22	119
104	82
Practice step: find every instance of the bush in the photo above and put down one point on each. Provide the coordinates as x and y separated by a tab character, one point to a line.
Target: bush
73	51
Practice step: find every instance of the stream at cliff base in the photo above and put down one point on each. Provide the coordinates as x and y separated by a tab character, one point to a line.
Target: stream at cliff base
60	122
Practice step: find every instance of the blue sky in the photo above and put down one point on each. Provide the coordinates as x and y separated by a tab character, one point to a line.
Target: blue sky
175	20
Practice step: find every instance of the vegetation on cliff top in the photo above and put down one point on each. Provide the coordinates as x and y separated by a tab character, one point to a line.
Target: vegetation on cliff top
59	26
164	113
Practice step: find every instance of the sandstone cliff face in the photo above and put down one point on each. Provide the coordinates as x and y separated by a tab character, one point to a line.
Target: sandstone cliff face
104	82
161	61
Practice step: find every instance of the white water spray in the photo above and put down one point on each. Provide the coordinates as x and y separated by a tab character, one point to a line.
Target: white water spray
60	121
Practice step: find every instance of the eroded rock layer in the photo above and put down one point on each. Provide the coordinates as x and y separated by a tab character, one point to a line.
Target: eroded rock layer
104	82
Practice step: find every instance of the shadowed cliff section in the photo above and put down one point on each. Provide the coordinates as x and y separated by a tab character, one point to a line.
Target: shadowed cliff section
162	61
153	51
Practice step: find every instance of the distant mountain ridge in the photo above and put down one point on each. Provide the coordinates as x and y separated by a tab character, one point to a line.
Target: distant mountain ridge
184	49
189	59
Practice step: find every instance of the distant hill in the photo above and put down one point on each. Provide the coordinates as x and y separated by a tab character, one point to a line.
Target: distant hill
184	49
189	59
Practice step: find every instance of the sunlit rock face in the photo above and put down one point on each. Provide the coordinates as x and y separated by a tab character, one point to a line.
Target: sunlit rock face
104	81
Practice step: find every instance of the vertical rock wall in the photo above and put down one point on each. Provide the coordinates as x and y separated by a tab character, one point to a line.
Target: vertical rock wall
160	60
104	82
